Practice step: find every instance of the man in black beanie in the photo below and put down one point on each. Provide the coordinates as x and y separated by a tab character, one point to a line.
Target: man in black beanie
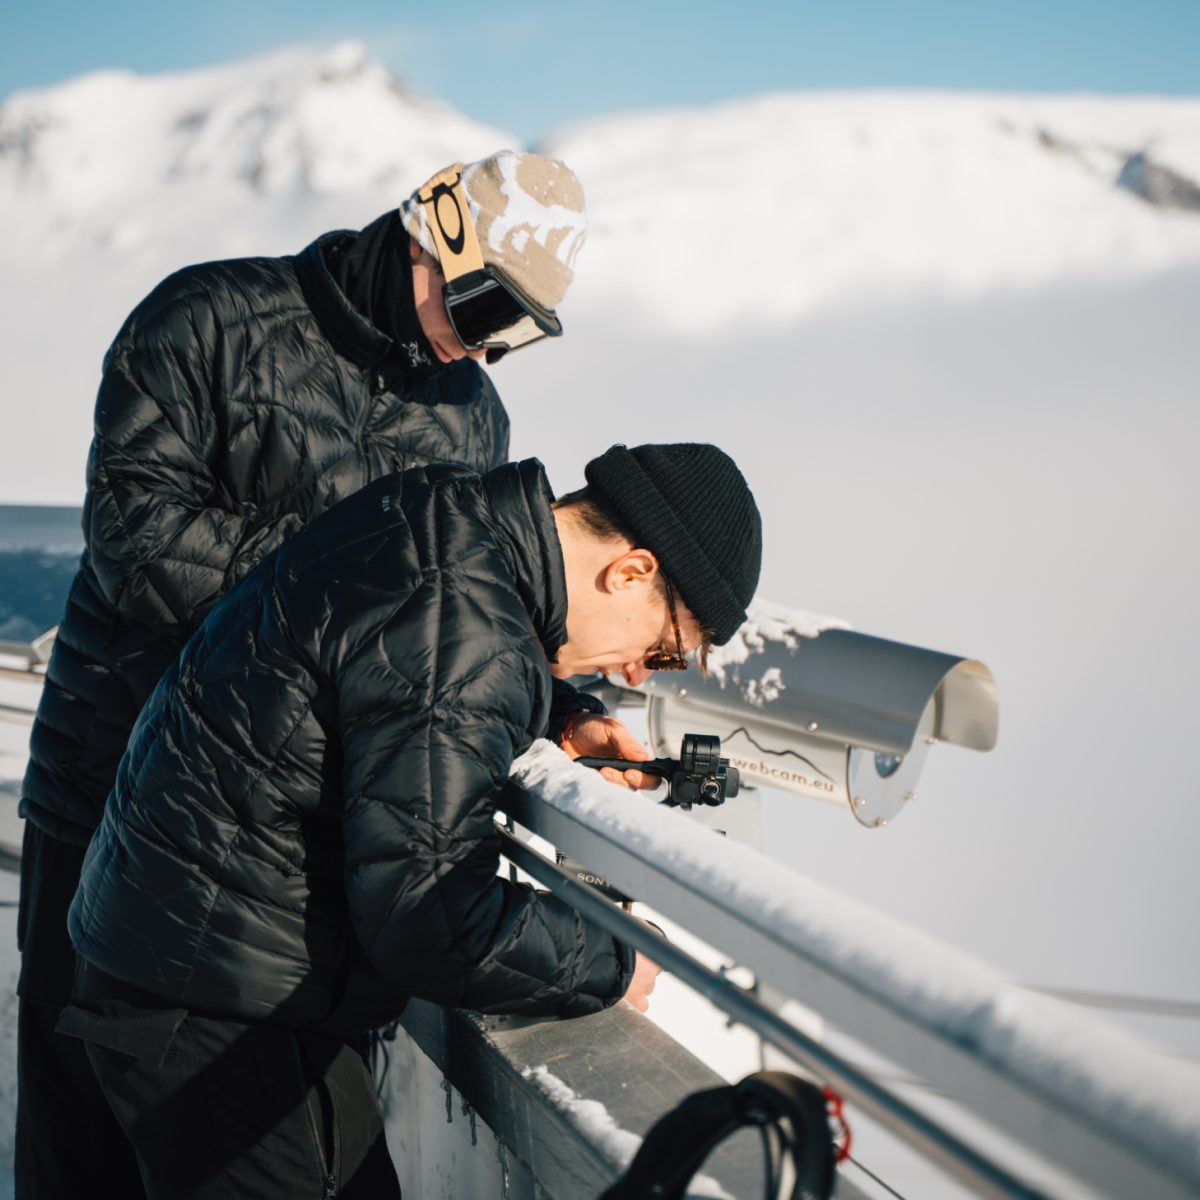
690	500
301	834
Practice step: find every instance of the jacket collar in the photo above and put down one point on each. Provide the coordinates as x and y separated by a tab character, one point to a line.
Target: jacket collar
352	335
519	497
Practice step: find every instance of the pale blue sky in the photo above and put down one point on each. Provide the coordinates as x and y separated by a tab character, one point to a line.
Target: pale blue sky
530	65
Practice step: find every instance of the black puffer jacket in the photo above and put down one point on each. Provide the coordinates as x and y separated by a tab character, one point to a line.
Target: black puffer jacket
302	827
240	400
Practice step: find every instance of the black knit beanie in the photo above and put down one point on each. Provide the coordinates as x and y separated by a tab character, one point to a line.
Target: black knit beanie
688	503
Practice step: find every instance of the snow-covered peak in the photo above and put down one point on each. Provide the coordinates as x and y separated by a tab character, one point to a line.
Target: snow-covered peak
764	210
119	159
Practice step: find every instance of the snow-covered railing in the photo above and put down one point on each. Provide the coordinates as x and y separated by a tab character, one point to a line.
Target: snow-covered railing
1091	1100
29	659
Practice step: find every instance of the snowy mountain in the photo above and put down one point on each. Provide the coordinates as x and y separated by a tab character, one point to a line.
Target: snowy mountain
818	198
214	158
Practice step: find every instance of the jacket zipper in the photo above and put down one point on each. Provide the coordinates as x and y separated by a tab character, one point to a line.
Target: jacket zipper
328	1167
360	441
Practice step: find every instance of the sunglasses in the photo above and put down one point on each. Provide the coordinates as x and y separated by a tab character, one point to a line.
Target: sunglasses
661	660
487	310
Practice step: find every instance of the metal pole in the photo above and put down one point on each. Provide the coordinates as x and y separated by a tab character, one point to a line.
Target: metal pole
938	1144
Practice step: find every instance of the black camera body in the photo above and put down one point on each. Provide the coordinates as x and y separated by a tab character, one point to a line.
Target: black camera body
703	776
698	776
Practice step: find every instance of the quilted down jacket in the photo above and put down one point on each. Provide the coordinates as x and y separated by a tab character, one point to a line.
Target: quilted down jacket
240	400
302	828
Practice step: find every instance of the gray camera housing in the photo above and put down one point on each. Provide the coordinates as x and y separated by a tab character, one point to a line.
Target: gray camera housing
840	716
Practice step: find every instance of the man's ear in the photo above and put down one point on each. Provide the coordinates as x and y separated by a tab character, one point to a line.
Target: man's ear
631	569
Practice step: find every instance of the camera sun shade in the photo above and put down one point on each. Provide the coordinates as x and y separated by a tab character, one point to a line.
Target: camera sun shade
486	309
842	717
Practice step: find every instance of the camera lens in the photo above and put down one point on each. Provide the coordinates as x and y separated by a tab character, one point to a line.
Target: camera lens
700	754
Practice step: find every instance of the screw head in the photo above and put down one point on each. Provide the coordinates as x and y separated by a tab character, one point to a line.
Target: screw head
682	692
931	740
812	727
859	802
909	795
879	822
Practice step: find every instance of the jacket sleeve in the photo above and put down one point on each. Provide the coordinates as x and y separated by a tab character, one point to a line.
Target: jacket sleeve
424	768
566	701
161	536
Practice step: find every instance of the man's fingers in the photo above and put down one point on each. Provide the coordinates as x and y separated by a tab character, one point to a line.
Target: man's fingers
642	779
627	745
620	778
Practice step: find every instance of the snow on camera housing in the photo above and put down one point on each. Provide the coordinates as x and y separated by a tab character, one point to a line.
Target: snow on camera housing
820	711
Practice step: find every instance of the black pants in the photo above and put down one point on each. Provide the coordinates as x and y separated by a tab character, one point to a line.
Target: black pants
246	1125
68	1143
251	1111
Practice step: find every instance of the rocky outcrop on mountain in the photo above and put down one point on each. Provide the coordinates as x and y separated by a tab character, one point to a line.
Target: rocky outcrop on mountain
124	160
1158	185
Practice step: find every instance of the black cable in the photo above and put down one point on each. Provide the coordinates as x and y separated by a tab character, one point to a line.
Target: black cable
378	1055
865	1171
770	1183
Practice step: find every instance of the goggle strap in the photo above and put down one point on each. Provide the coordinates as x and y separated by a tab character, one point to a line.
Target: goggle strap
450	224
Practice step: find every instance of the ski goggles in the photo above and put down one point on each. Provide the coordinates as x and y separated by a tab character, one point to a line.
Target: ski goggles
487	310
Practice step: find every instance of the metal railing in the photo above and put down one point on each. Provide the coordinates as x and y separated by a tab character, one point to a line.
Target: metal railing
1085	1098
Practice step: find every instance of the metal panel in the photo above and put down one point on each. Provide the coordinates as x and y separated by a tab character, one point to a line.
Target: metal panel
617	1058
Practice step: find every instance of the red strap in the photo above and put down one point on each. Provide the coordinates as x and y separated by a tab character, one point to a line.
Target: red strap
836	1108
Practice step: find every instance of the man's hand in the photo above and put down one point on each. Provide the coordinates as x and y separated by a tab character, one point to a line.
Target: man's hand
594	736
645	974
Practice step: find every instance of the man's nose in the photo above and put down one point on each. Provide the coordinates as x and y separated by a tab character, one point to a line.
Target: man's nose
635	673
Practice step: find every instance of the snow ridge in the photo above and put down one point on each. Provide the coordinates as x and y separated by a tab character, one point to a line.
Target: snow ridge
126	161
593	1120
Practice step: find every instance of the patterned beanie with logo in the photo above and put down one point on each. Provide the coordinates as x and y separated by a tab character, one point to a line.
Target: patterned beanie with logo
689	504
529	218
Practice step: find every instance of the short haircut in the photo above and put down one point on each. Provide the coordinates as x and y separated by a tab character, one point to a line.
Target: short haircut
597	516
601	520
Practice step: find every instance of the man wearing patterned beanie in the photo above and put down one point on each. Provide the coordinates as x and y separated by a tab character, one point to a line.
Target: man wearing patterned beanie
239	401
511	253
302	832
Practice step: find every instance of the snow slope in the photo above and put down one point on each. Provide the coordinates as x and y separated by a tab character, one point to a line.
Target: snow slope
213	157
772	208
